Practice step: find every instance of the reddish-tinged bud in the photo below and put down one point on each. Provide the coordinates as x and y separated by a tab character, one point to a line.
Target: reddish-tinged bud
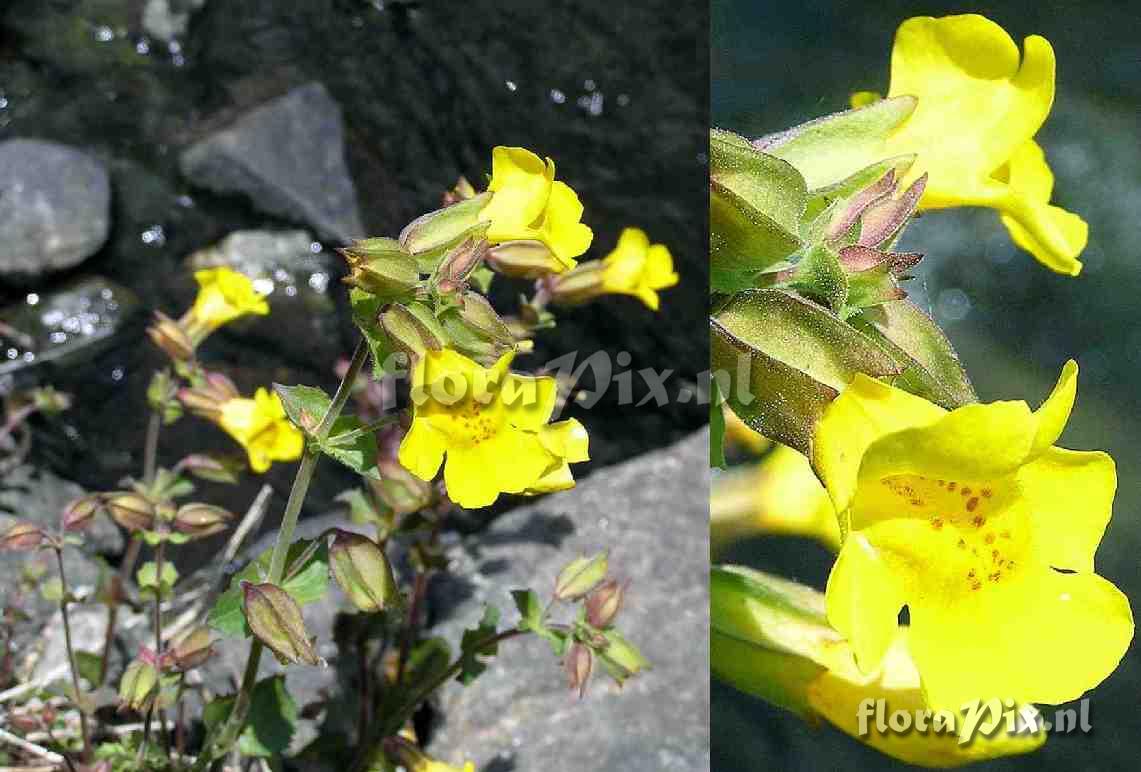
580	285
362	571
192	648
580	576
200	520
452	272
22	537
169	336
524	260
81	512
213	468
138	686
578	664
604	603
131	510
275	620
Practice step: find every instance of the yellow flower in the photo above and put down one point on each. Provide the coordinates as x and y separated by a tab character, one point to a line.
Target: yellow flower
261	427
740	434
638	268
493	426
985	530
530	205
223	295
972	130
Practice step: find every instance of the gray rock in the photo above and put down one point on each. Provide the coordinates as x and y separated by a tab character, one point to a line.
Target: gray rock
652	513
288	156
168	20
296	273
54	208
69	323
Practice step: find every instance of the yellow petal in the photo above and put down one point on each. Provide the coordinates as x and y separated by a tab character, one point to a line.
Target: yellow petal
1068	497
863	600
977	102
1053	414
860	99
659	271
530	401
567	440
865	411
1044	637
521	182
563	233
422	450
509	462
559	478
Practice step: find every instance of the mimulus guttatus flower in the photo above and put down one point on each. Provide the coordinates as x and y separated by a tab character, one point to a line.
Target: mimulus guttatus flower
529	204
223	296
492	425
979	106
260	426
637	267
985	530
413	759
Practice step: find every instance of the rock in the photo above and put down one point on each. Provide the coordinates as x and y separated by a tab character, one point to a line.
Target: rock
54	208
168	20
295	272
288	156
39	496
64	325
653	514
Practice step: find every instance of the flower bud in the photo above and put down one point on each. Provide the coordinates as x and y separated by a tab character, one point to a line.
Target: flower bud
462	191
479	315
81	512
213	468
169	336
578	663
380	266
604	603
412	330
524	259
362	571
620	657
22	537
584	283
275	620
138	686
580	576
201	520
192	648
131	510
205	399
452	272
444	226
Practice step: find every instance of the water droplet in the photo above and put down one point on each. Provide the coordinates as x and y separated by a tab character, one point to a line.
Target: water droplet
952	305
143	47
512	86
32	299
557	96
104	34
316	247
589	84
154	236
623	100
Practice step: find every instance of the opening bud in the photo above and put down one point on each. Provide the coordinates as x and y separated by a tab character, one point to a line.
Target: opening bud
362	571
578	664
81	512
443	227
131	510
524	259
584	283
201	520
169	336
139	685
275	620
381	267
205	398
22	537
581	575
604	603
453	271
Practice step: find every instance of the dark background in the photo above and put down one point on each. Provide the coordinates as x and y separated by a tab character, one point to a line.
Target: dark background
1013	322
616	93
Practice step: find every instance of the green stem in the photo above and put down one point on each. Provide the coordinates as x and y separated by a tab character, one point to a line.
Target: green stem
71	654
232	727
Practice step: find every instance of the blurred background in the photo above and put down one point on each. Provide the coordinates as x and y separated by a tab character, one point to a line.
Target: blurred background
1013	322
135	133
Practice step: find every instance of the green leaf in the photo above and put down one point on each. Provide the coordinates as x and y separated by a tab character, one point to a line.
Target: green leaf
931	368
530	608
148	580
780	360
270	724
307	580
830	149
820	276
304	405
716	427
52	590
366	315
756	203
473	646
427	660
90	666
349	444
